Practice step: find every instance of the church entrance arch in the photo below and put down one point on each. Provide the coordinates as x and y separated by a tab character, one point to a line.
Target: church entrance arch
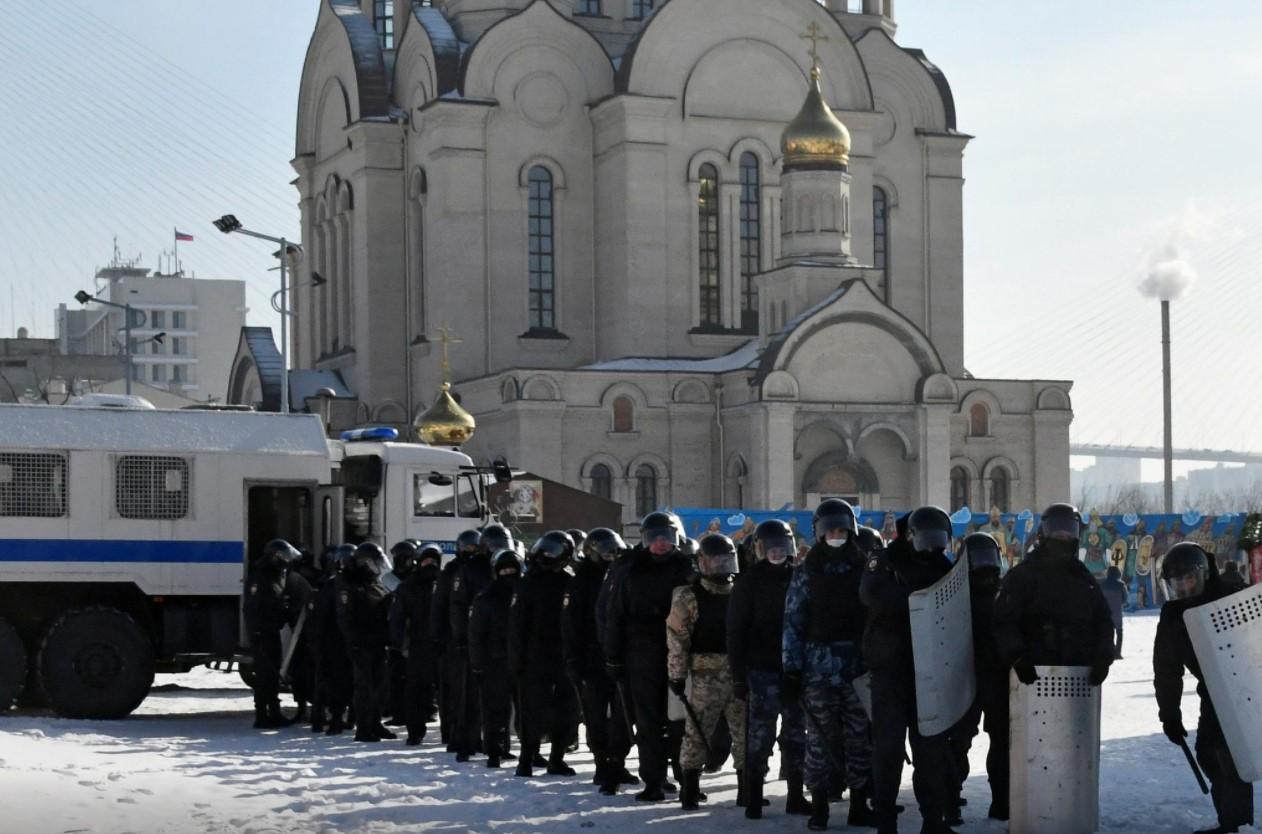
838	475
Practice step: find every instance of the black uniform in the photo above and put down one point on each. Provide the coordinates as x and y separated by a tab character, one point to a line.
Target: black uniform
892	574
410	622
449	659
488	659
635	643
266	610
603	711
1115	594
472	577
548	703
363	612
300	585
1172	653
331	661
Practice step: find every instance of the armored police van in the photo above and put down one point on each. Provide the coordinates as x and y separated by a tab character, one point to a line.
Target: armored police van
125	533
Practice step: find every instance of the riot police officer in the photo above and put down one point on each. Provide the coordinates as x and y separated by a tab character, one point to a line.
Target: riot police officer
535	659
635	642
909	564
603	712
823	626
403	559
1191	579
266	608
467	543
363	613
470	580
755	628
1050	610
409	631
334	681
488	655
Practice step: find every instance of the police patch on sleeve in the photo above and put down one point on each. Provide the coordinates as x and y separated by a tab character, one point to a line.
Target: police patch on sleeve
254	588
565	602
874	564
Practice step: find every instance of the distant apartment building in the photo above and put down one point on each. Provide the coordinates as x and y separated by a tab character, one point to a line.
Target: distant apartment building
199	320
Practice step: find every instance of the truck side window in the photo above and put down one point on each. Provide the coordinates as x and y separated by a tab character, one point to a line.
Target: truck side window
151	487
32	485
467	502
429	499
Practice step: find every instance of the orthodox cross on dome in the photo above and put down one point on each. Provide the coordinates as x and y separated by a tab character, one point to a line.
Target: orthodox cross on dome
813	35
446	338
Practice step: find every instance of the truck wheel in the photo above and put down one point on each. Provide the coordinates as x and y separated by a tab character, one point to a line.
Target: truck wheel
12	666
96	663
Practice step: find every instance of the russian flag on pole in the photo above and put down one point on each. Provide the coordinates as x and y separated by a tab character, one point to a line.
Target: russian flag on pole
181	236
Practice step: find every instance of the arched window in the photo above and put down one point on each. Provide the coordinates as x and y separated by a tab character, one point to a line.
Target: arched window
1000	488
751	239
602	481
623	414
645	490
880	235
383	22
588	7
738	474
542	267
979	421
641	8
959	488
708	242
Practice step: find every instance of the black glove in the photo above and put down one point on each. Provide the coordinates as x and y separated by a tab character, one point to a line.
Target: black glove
678	686
790	689
616	672
1025	671
740	691
1099	671
1174	731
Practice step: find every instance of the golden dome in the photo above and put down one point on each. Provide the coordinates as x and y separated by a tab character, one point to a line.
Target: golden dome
815	138
445	423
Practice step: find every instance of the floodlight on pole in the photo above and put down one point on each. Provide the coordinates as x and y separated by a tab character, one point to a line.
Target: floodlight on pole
84	297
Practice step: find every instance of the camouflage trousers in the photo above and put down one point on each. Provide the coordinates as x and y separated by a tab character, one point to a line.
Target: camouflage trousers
831	711
711	698
764	707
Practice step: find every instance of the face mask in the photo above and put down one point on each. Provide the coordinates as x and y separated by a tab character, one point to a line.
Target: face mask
835	542
1061	548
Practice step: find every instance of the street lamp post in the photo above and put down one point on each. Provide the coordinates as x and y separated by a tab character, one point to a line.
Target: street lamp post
229	224
128	368
1166	405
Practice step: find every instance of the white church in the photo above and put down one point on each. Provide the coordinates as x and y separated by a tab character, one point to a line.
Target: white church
698	252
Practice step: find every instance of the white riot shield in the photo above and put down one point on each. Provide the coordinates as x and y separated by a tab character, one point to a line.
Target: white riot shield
1055	754
1227	638
942	648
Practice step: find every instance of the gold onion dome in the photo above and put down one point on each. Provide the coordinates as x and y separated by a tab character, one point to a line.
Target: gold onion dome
445	423
815	139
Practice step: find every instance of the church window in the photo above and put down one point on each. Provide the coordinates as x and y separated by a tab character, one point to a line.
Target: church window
854	6
959	488
708	232
383	21
979	421
602	481
751	239
623	415
1000	488
589	7
880	235
645	490
542	268
641	9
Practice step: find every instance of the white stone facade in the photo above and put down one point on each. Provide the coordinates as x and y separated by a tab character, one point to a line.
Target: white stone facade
615	165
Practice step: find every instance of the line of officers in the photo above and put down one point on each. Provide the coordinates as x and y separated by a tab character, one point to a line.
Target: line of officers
694	650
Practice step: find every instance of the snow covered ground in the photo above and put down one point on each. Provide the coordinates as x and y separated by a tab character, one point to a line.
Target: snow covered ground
189	762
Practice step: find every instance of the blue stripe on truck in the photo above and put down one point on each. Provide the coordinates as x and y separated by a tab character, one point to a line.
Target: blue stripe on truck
110	550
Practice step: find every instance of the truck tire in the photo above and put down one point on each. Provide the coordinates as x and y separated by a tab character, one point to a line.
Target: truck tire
96	663
12	666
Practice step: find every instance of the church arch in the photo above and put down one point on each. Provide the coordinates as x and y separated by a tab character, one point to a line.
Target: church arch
390	411
999	476
705	156
909	448
691	391
509	391
1054	398
736	487
840	474
819	436
624	389
541	388
551	165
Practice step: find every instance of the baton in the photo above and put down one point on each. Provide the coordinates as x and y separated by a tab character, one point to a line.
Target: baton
293	644
696	723
626	715
810	719
1196	770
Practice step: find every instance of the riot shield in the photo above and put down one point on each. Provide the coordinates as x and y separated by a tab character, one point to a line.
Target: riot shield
1227	638
1055	753
942	648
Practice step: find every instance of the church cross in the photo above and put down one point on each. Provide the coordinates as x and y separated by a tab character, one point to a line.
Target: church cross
446	338
813	35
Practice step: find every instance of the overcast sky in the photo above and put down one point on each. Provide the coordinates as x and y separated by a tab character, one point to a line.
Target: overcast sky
1105	132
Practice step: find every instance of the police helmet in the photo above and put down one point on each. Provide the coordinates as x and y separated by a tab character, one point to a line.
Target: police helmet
689	546
372	558
578	537
404	554
869	540
506	564
603	544
930	529
281	552
468	542
773	541
553	550
1061	522
495	537
834	514
716	557
430	554
982	552
1185	570
659	526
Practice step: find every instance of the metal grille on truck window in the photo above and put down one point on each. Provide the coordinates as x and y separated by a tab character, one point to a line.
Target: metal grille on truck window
151	488
32	484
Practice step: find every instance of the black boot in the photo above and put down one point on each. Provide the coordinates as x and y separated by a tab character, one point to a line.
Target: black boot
998	809
624	776
936	826
753	798
1219	829
819	809
887	821
740	789
861	814
381	731
652	793
690	787
557	765
796	802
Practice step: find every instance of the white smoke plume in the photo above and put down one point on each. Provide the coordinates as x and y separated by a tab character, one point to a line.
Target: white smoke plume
1168	274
